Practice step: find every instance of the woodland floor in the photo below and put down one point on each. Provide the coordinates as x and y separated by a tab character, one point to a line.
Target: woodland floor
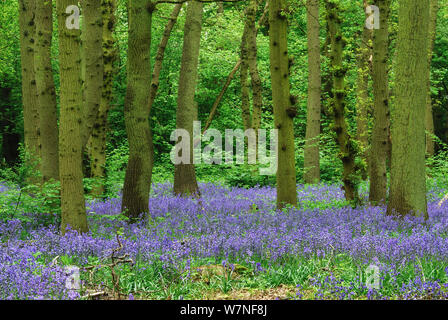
231	245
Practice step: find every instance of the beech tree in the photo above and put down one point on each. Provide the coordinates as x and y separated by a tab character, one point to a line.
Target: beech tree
137	181
251	42
184	173
46	94
363	103
284	109
381	110
97	141
347	147
311	151
408	176
27	26
244	79
71	117
93	73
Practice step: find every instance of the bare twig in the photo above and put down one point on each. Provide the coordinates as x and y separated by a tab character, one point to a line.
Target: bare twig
115	261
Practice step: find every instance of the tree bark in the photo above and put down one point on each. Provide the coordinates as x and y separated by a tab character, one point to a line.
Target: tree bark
184	174
311	151
70	143
93	54
284	110
46	94
244	81
137	182
381	111
97	141
408	177
347	148
29	91
362	93
251	42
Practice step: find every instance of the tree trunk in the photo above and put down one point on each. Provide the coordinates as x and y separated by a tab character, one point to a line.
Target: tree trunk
70	144
244	74
220	7
29	91
381	111
251	42
93	54
347	148
137	183
161	53
327	81
311	151
284	110
97	140
46	94
434	7
408	178
362	93
184	174
229	79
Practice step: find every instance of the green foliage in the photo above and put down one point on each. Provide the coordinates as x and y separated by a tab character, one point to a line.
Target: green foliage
437	169
116	162
22	200
247	177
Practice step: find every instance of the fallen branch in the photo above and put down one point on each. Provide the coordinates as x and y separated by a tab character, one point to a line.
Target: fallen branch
443	200
93	295
115	261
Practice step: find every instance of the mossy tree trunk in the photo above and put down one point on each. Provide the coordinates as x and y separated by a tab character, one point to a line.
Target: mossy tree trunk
97	141
184	174
27	27
348	149
251	42
327	81
46	94
70	143
408	177
284	110
93	55
311	151
429	119
363	103
381	110
137	182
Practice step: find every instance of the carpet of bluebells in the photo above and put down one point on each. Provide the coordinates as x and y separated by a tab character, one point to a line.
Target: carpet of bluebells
240	226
